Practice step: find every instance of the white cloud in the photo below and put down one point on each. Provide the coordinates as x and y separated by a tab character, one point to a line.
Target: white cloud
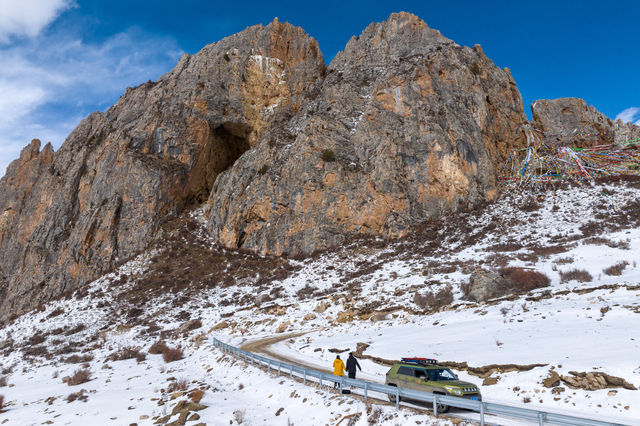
28	17
54	81
630	115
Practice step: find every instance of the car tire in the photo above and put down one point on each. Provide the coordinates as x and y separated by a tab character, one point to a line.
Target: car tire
392	398
442	408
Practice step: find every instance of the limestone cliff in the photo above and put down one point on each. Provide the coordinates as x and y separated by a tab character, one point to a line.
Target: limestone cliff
403	126
407	126
68	216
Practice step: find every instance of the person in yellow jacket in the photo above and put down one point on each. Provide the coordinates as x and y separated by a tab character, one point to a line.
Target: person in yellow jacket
338	368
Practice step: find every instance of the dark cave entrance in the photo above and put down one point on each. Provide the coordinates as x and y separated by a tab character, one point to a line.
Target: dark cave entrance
226	143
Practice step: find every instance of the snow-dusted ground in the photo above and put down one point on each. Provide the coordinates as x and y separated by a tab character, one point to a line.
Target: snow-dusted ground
565	329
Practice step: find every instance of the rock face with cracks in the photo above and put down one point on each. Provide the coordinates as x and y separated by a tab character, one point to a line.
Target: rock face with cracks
403	126
570	122
67	217
406	126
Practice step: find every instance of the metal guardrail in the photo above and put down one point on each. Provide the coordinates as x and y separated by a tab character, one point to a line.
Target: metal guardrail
396	393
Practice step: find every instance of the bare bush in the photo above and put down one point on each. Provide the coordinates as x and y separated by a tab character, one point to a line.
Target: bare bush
79	377
37	338
3	381
178	385
172	354
434	300
375	415
563	260
579	275
1	402
616	270
524	280
158	347
124	353
76	359
238	415
141	356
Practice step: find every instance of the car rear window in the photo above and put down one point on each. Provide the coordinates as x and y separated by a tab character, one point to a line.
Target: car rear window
406	371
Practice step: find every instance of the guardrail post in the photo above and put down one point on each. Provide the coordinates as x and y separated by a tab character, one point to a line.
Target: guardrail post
482	414
304	380
397	398
291	371
541	418
435	405
321	380
365	390
279	365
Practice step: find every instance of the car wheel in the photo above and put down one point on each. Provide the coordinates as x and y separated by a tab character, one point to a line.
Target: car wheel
392	398
442	408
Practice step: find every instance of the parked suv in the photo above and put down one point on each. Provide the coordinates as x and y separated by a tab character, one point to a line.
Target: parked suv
424	374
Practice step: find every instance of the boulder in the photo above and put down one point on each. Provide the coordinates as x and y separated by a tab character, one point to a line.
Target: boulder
570	122
484	285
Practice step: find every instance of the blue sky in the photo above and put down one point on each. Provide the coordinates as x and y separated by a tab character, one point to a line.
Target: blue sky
62	59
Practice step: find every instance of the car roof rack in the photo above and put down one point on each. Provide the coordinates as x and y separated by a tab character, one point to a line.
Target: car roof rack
419	361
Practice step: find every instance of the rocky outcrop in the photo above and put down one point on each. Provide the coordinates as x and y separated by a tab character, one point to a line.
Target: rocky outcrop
67	217
570	122
407	125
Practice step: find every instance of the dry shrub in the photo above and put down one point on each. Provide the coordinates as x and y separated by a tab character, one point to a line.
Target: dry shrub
78	328
238	415
579	275
434	300
36	351
76	359
56	312
158	347
306	292
79	377
563	260
375	415
196	395
172	354
3	381
523	280
141	356
37	338
616	269
124	353
1	402
178	385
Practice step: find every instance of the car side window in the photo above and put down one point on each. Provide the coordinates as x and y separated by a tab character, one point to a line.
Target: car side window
419	373
405	371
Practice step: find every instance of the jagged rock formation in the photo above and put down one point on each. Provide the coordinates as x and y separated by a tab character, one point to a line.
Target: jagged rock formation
68	216
405	125
570	122
417	125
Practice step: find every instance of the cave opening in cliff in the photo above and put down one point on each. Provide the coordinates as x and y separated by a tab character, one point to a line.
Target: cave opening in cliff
226	143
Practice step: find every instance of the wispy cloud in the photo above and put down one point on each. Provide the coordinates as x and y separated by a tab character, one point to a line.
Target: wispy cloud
21	18
630	115
55	80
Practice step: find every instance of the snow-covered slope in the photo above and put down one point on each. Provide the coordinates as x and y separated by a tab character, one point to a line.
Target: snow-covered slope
364	292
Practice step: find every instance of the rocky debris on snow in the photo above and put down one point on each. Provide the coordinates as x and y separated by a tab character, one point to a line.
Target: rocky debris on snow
588	381
488	370
570	122
594	381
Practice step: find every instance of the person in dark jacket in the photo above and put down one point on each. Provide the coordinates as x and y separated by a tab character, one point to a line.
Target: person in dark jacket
352	363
